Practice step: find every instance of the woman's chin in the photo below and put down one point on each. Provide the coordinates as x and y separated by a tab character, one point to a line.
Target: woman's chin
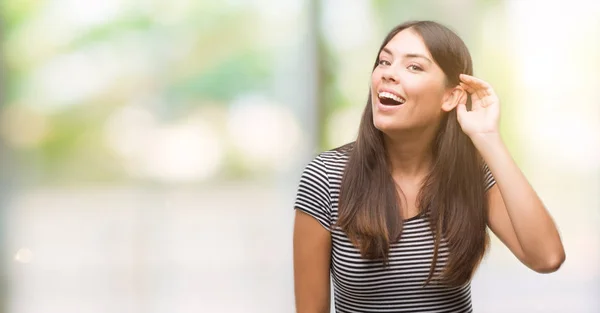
388	127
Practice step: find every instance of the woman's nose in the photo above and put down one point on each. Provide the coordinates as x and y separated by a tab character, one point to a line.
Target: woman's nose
389	74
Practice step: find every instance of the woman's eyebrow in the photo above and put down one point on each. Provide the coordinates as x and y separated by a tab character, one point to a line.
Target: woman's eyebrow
408	55
417	56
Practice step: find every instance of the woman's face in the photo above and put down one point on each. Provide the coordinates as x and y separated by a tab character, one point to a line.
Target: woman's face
407	86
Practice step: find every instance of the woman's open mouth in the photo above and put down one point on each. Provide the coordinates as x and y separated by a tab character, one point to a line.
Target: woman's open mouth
387	98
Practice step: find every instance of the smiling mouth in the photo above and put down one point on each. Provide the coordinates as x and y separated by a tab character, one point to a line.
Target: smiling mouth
387	98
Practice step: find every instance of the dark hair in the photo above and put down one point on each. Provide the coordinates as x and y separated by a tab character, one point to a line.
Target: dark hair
453	192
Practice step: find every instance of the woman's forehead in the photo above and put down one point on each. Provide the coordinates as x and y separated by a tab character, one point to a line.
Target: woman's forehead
406	42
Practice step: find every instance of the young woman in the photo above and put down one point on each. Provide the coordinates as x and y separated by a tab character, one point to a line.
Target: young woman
398	219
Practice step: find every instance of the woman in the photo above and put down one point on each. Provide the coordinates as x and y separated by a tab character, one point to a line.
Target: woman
399	217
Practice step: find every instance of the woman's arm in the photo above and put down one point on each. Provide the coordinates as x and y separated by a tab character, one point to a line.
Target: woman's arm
312	259
516	213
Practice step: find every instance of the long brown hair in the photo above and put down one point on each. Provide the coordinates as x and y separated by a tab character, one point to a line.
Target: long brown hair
453	192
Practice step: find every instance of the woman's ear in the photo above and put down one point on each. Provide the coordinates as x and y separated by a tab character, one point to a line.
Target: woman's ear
456	96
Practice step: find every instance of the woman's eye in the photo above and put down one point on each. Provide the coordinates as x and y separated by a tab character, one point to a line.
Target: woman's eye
383	62
413	67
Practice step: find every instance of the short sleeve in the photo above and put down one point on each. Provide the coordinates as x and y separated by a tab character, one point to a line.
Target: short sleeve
488	178
313	197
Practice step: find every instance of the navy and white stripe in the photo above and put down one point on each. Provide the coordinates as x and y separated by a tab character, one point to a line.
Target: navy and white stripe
362	285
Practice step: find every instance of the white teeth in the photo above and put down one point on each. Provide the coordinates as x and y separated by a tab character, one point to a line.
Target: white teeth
391	96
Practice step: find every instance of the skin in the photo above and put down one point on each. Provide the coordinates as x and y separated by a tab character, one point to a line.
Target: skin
517	216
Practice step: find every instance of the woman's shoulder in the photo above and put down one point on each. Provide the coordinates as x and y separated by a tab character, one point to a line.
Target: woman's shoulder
327	164
336	158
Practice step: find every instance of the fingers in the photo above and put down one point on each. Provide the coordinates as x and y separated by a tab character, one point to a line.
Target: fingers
475	85
474	81
467	88
477	99
478	89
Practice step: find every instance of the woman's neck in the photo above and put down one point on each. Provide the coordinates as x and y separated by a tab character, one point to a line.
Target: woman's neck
410	155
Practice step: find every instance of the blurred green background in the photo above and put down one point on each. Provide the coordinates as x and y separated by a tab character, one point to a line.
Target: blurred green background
150	150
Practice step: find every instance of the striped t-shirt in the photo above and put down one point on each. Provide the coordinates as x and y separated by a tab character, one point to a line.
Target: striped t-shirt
362	285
